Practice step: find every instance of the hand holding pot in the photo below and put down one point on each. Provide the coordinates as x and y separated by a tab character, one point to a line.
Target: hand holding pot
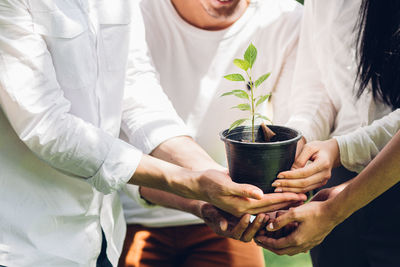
217	188
306	226
324	155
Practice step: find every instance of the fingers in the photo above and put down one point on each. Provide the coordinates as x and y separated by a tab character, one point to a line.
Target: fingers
251	231
320	165
300	145
238	230
301	182
305	155
274	207
275	198
302	189
246	190
273	201
283	220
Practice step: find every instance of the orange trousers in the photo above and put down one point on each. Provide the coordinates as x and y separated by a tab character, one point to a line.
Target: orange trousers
186	246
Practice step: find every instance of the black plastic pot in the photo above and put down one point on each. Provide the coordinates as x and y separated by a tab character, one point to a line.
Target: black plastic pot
259	163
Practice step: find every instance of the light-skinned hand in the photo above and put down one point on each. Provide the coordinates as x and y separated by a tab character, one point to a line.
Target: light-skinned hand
303	177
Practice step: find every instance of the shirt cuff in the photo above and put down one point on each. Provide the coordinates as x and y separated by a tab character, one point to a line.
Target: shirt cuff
117	169
348	154
133	192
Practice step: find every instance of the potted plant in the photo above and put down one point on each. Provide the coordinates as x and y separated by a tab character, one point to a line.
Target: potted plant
256	153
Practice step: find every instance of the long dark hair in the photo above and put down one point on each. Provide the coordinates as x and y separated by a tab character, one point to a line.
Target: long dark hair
378	50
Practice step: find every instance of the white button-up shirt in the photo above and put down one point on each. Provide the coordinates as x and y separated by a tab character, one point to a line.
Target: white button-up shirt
71	74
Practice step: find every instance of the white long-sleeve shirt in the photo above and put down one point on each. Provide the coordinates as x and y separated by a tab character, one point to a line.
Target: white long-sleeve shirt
70	72
191	63
323	101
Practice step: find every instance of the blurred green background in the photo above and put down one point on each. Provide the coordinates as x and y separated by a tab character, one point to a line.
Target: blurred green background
299	260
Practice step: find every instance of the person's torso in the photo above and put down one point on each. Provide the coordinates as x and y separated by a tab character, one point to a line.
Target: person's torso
192	62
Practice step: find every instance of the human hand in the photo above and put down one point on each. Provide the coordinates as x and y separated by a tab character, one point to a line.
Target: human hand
227	225
324	155
284	231
302	228
218	189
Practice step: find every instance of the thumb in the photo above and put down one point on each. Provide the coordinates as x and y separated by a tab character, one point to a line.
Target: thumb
246	190
303	157
282	221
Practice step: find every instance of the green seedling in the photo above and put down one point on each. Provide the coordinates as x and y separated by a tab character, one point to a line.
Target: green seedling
246	64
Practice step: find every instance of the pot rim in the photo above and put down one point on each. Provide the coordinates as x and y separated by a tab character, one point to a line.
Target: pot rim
269	144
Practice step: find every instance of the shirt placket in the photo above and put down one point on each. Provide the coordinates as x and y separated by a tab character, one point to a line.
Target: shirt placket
89	7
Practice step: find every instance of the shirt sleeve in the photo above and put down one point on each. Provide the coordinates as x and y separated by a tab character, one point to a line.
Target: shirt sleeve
359	147
36	108
311	109
149	117
133	192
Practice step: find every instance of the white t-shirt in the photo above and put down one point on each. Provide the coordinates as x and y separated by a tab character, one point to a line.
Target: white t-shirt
323	97
191	63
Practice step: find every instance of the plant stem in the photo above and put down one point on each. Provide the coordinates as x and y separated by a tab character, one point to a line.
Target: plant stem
252	108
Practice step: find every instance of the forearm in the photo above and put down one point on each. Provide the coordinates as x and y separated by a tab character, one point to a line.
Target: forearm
162	175
172	201
182	151
185	152
382	173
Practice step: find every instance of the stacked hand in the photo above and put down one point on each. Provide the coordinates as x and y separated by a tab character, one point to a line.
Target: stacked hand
301	228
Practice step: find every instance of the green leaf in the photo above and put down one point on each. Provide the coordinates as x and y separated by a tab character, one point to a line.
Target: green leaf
243	107
259	116
250	54
262	79
234	77
236	124
239	93
262	98
243	64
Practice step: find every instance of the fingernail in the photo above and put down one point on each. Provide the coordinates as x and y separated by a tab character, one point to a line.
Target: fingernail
271	226
261	219
278	190
275	184
222	226
281	176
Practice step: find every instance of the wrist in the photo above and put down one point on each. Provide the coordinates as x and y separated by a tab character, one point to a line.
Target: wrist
185	183
337	210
